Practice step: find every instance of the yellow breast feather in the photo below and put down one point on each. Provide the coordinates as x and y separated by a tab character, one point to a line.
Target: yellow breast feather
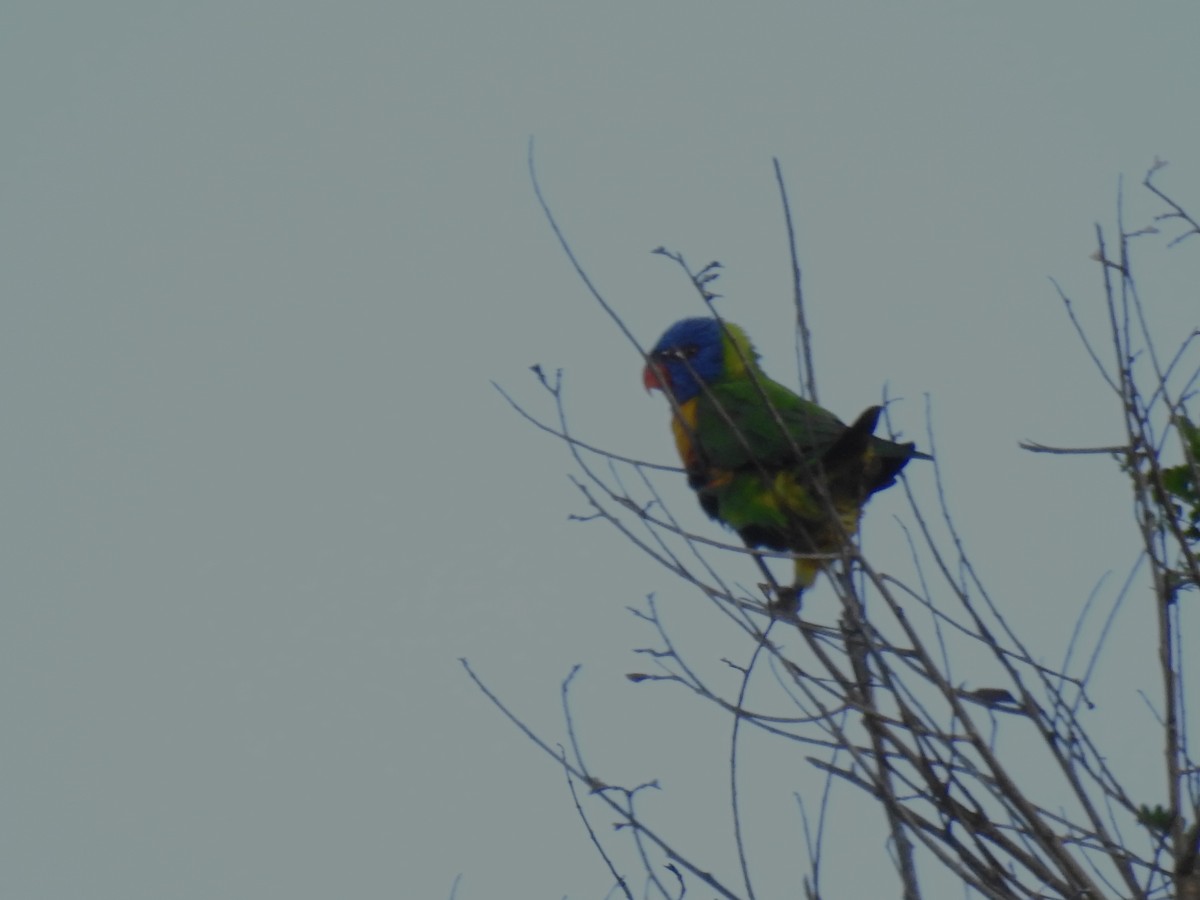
683	426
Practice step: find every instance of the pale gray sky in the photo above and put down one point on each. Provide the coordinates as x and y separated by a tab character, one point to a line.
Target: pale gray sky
261	261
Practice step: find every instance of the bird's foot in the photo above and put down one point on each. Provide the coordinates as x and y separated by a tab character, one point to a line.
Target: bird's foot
786	602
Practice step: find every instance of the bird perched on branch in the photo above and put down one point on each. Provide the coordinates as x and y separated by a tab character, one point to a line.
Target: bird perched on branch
781	471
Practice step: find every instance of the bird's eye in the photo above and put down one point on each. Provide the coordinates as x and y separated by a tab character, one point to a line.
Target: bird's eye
680	353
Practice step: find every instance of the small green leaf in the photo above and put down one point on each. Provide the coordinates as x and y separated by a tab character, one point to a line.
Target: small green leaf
1156	819
1177	480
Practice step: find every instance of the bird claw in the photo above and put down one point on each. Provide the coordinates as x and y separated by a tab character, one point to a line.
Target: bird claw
786	602
783	601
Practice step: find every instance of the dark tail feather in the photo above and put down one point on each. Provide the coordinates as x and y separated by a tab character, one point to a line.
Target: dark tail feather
853	442
890	466
891	457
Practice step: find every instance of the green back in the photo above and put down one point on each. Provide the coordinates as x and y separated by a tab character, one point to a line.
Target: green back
738	424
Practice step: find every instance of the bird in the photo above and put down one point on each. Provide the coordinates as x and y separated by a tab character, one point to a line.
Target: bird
781	471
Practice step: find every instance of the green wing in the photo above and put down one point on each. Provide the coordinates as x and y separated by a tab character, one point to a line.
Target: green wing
738	425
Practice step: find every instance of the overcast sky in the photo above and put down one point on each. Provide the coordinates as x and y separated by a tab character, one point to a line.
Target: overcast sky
262	261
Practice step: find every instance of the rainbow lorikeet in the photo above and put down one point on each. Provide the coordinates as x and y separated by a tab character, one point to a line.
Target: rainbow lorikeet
781	471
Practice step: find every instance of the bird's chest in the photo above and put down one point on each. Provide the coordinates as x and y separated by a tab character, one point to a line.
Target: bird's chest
683	427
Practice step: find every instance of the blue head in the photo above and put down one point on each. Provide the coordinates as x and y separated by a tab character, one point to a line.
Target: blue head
691	352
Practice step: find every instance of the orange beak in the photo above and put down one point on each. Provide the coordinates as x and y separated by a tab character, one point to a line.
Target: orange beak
652	378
